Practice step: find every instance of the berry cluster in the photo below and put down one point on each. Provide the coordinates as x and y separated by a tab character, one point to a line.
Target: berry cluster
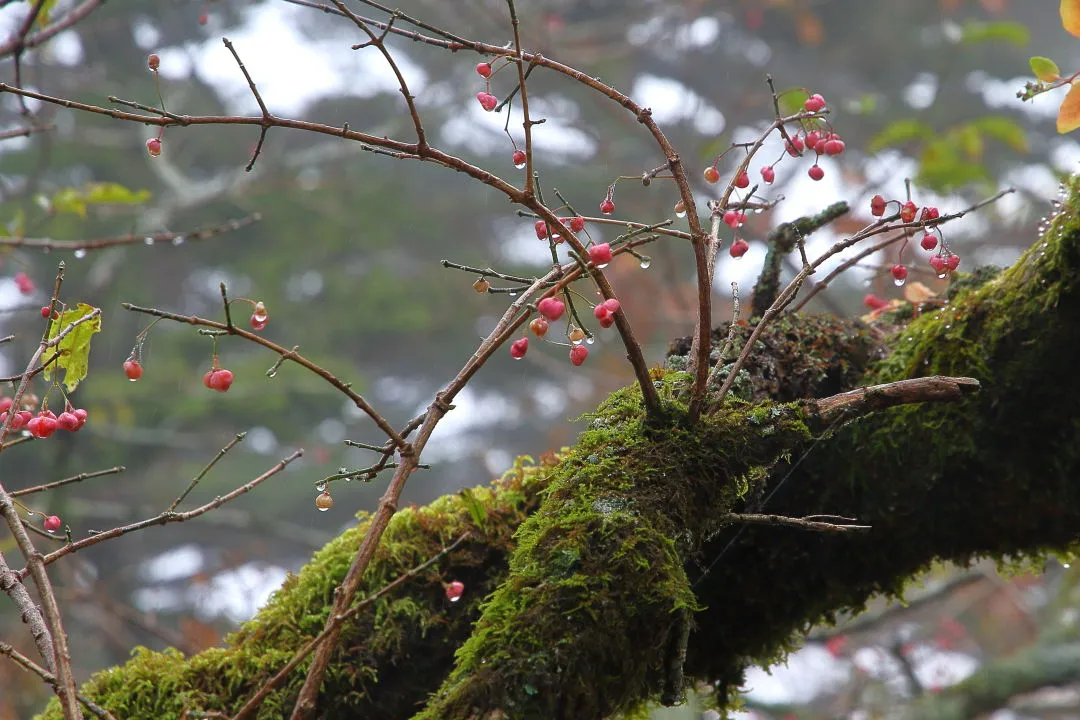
46	422
943	261
216	378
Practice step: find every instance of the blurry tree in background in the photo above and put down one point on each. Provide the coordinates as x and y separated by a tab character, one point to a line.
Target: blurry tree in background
345	247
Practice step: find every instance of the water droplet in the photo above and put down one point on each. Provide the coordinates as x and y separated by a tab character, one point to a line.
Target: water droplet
455	598
758	211
899	282
323	509
942	276
132	379
680	213
320	486
590	340
948	326
1045	245
602	266
645	263
178	240
51	531
576	342
80	253
1066	565
512	293
148	240
348	479
272	373
519	166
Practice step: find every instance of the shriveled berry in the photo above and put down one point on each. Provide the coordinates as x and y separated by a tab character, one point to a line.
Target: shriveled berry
539	327
133	369
481	285
324	501
877	206
600	254
52	523
519	347
576	335
483	69
551	308
455	590
487	100
578	353
814	103
815	172
712	175
153	146
929	241
768	174
908	211
577	223
153	61
607	206
519	159
742	181
739	248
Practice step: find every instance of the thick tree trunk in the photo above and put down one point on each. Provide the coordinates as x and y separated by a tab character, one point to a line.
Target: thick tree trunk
626	574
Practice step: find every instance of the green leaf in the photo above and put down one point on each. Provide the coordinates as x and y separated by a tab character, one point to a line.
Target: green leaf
1004	130
74	349
1045	69
791	100
899	132
1010	32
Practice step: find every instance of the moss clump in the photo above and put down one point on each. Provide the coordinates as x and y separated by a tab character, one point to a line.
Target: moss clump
597	594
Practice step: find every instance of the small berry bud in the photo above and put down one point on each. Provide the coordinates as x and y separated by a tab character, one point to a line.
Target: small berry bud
153	146
712	175
519	347
46	311
938	263
153	62
578	353
812	138
899	272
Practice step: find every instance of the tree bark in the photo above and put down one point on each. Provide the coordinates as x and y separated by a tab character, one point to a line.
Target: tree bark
626	579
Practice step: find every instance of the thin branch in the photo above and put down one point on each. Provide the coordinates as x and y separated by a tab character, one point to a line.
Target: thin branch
202	473
30	666
266	116
73	479
783	521
51	245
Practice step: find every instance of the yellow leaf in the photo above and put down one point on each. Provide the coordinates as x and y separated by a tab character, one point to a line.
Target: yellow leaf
916	293
1070	16
1068	118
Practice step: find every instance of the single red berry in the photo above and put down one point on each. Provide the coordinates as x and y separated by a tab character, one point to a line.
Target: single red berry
952	262
612	305
835	645
519	159
938	263
814	103
221	380
487	100
24	283
743	180
731	218
815	172
608	206
908	211
539	326
153	62
794	146
133	369
80	415
768	174
577	223
929	241
455	590
712	175
600	254
46	311
877	206
541	229
519	347
483	69
578	353
68	421
928	213
834	147
153	146
899	272
739	248
873	302
258	322
551	308
606	321
203	18
812	138
52	523
601	311
5	404
42	426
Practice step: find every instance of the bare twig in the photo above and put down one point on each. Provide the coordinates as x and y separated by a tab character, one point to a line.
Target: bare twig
782	521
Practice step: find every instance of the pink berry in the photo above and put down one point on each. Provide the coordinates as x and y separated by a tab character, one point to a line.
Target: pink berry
600	254
551	308
483	69
952	262
938	263
899	272
42	426
52	523
578	353
608	206
815	172
487	100
455	590
928	213
258	322
908	211
68	421
577	223
601	311
133	369
812	138
519	347
612	305
929	241
743	180
153	146
768	174
80	415
731	218
541	229
606	321
24	283
877	206
814	103
834	147
153	62
739	248
794	146
519	159
712	175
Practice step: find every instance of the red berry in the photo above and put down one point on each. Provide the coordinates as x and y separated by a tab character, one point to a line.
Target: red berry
877	206
928	213
743	180
133	369
606	321
206	379
812	138
80	415
578	353
24	283
612	305
203	18
834	147
815	172
52	523
601	311
220	380
768	174
873	302
712	175
731	218
908	211
258	322
952	262
487	100
608	206
739	248
46	311
483	69
577	223
600	254
42	426
551	308
814	103
5	404
519	347
519	159
539	326
899	272
455	590
835	645
153	62
929	241
938	263
153	146
68	421
541	229
794	146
